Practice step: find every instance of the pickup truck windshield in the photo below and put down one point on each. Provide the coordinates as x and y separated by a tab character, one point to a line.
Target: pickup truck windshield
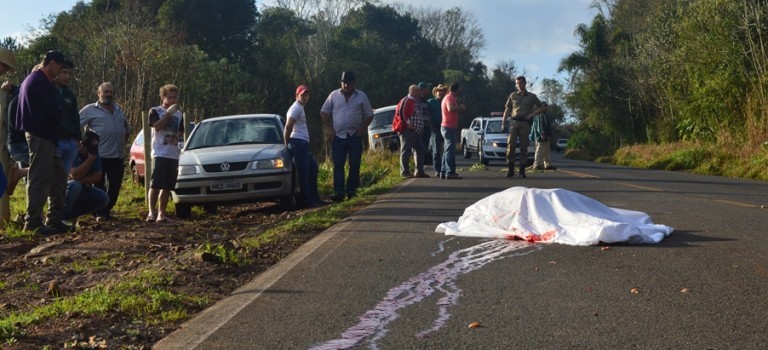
494	127
382	119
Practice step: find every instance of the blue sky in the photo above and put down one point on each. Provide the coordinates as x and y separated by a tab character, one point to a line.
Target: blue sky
535	34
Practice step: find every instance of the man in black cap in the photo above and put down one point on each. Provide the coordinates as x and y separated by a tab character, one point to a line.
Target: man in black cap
346	115
38	114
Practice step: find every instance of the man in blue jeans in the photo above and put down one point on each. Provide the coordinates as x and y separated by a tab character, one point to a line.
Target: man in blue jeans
296	135
82	197
436	141
451	108
346	115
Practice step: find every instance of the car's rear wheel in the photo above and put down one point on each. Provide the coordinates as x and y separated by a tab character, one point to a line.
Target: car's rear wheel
211	209
465	150
135	177
183	211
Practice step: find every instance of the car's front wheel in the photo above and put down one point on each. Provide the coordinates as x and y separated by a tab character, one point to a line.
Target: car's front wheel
288	202
465	150
211	209
183	211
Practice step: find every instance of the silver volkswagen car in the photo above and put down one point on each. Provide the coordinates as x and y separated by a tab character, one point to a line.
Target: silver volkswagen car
234	159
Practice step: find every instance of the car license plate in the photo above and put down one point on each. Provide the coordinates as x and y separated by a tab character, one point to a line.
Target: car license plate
226	185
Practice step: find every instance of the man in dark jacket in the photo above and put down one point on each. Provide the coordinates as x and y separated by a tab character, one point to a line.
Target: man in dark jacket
39	115
541	133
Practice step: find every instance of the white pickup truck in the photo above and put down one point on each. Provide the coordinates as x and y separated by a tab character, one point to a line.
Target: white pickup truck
485	137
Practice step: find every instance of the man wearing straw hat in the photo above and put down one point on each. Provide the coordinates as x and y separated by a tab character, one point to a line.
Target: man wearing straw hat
7	61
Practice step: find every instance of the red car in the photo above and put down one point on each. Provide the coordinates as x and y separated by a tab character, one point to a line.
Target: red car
137	159
137	156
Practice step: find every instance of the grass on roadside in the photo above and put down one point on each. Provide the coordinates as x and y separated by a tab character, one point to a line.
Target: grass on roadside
138	295
143	295
738	161
378	173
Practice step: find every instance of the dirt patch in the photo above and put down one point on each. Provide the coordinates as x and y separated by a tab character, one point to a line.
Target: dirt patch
37	272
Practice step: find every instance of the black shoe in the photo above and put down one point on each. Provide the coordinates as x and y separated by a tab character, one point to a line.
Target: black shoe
522	172
337	197
351	195
41	229
550	168
510	172
318	204
453	176
61	227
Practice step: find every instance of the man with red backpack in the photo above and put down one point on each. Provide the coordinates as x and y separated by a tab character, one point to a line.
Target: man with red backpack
409	124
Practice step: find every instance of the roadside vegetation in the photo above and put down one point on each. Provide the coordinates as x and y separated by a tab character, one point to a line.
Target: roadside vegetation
672	84
135	293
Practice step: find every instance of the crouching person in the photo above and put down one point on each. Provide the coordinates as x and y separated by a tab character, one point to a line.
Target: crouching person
82	197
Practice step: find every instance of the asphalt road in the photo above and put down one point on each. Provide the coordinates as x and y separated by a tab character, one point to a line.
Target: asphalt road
383	279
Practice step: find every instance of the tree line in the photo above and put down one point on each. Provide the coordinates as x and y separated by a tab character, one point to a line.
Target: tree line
229	57
658	71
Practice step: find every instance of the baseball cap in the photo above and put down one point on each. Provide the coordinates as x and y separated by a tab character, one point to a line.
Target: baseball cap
301	89
56	56
424	85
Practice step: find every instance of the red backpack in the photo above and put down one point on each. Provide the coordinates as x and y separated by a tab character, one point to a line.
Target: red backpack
399	124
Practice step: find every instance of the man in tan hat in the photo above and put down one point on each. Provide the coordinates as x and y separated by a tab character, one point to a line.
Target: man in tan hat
7	61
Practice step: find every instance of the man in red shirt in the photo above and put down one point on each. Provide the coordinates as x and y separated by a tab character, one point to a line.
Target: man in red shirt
451	109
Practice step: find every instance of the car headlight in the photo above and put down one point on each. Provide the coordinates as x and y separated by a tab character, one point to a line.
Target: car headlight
188	170
276	163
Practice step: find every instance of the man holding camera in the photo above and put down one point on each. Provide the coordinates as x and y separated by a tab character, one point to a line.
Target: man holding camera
82	197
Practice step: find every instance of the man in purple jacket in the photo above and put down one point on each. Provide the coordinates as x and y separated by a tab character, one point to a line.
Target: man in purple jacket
38	114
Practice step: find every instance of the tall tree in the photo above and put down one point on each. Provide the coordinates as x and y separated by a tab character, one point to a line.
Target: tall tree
455	31
222	28
387	51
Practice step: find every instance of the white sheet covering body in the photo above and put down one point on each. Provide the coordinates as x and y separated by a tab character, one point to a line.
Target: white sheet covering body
553	216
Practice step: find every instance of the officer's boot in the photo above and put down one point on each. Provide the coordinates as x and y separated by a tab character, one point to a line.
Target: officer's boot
510	170
522	171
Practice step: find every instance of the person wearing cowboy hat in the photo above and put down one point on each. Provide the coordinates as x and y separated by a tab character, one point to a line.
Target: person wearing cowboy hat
7	64
7	61
346	114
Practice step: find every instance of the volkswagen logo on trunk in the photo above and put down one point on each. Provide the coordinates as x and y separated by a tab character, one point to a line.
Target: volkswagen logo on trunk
224	167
